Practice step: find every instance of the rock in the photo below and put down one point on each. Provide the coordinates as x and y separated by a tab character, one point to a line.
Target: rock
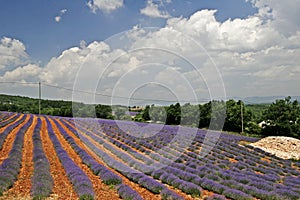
282	147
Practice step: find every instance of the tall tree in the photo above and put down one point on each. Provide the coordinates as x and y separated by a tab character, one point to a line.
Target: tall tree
236	115
158	114
282	118
205	115
146	114
173	114
190	115
103	111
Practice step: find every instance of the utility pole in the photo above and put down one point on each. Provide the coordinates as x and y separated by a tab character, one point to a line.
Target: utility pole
40	96
242	117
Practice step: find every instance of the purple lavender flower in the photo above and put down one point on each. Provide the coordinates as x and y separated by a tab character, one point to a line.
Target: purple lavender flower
215	197
10	167
42	182
170	195
236	194
8	129
151	184
81	183
190	188
127	193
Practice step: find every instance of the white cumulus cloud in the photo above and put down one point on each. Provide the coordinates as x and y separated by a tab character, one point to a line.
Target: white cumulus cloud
152	10
106	6
26	73
12	52
282	16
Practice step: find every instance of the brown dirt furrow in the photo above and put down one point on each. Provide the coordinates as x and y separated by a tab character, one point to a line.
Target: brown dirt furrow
10	140
187	197
205	193
23	184
3	128
146	194
62	188
8	117
102	191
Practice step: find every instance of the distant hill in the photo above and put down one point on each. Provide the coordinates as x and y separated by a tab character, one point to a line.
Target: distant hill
263	100
31	105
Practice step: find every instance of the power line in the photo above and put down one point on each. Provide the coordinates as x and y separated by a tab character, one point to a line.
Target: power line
21	83
119	97
40	97
101	94
242	117
107	95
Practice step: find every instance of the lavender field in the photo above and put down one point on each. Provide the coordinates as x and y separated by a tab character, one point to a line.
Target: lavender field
63	158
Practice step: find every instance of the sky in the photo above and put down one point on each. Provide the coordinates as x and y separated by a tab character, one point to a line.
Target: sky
127	51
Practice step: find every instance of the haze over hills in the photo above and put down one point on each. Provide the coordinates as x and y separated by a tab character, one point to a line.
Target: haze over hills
247	100
266	99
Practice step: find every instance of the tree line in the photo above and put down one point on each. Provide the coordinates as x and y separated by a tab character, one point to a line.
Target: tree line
279	118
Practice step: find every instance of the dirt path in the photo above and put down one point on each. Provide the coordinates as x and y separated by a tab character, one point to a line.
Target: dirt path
23	184
62	188
102	191
10	140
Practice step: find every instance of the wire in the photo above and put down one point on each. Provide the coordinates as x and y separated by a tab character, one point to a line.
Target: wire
19	82
116	96
107	95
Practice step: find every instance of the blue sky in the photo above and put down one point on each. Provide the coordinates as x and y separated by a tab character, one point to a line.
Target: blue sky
199	49
33	23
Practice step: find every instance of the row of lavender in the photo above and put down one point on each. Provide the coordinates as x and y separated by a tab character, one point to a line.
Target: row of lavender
215	171
107	176
80	181
169	175
271	176
42	182
135	175
5	118
9	128
139	169
10	167
226	150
